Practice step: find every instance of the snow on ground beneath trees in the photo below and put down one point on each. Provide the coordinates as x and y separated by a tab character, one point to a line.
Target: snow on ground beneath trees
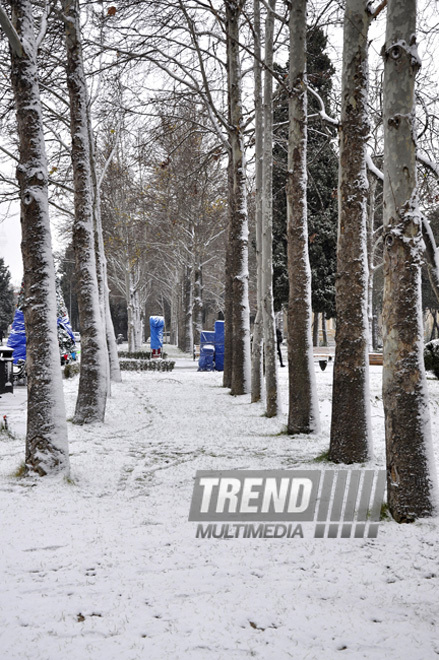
106	566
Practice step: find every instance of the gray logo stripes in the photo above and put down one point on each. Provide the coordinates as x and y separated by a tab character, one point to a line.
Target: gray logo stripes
341	503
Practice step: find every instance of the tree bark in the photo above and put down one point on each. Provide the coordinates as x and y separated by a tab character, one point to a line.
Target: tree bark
315	329
350	425
92	393
46	432
370	255
271	390
188	305
238	231
256	376
198	303
410	470
303	414
101	264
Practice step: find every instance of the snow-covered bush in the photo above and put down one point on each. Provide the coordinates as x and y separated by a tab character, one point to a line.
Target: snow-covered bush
139	355
147	365
431	356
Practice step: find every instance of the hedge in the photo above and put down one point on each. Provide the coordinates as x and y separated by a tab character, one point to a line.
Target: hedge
139	355
147	365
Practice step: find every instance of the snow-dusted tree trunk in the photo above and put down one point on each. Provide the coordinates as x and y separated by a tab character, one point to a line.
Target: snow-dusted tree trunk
238	230
410	466
174	316
46	434
370	255
256	382
228	287
104	292
188	306
92	393
350	424
198	303
133	307
303	415
271	392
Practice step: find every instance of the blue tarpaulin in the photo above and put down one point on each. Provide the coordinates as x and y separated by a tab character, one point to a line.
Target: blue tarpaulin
17	337
207	358
156	324
219	345
213	341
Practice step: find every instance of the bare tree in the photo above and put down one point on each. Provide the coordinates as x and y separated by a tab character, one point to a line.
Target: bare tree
271	386
350	424
256	376
93	384
238	230
46	434
410	469
303	415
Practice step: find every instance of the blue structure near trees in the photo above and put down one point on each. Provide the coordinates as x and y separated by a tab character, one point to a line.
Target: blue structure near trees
212	349
156	325
17	337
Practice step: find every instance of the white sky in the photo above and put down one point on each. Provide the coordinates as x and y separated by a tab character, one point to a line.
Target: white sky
10	238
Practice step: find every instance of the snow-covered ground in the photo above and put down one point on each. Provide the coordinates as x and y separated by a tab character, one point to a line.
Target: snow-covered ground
106	566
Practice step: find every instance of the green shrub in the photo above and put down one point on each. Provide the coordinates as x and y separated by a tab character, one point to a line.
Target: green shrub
139	355
71	369
431	356
147	365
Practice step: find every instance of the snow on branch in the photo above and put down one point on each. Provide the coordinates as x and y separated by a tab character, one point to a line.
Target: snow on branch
11	34
433	167
373	168
322	112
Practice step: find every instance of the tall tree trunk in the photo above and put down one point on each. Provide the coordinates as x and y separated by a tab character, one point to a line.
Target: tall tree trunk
370	254
228	288
271	391
188	305
101	264
303	414
46	432
324	332
315	329
350	425
238	234
198	303
410	469
256	382
92	392
174	316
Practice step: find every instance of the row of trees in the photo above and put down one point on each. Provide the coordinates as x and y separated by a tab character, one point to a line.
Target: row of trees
140	201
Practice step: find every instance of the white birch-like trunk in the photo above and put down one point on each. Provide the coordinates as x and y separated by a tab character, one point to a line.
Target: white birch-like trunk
188	307
104	291
46	432
256	378
198	302
93	379
238	230
271	387
350	424
370	256
303	414
411	479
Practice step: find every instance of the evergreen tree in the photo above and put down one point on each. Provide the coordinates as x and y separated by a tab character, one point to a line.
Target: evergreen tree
321	190
6	297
